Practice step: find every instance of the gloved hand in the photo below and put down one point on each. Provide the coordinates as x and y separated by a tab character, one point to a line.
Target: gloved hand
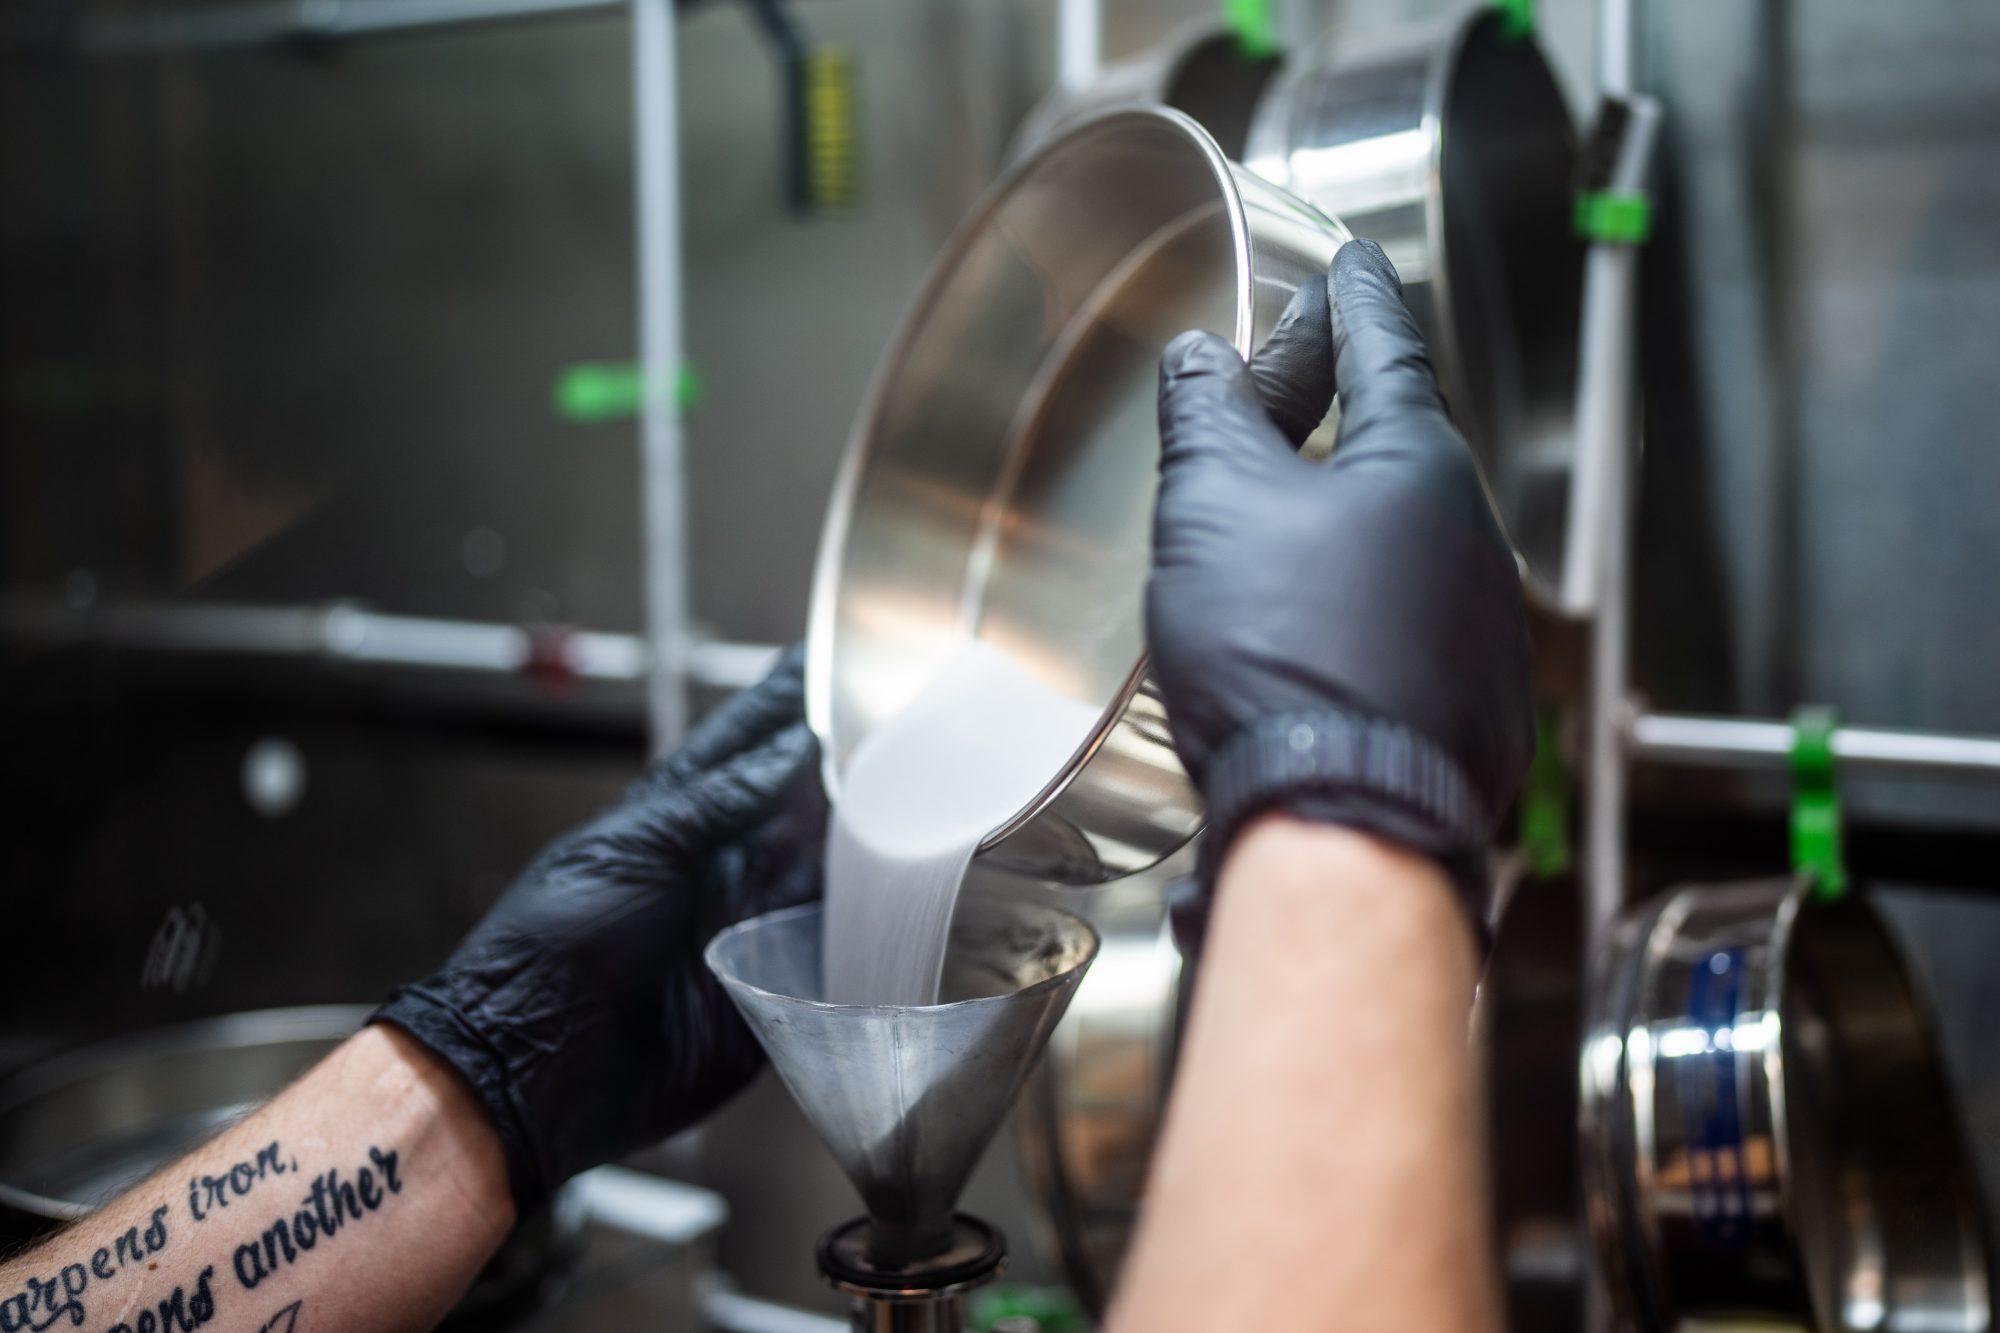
1346	640
579	1010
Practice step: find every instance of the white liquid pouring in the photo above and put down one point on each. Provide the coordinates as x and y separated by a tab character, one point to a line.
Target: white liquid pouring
916	800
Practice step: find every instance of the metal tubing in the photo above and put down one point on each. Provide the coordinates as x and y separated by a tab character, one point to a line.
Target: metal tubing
1610	647
1722	742
1079	42
257	23
656	146
345	632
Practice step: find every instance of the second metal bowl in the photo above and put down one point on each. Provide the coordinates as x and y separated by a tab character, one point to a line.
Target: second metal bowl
1767	1131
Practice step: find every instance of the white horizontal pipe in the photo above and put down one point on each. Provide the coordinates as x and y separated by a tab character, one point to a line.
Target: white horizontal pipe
1722	742
349	633
248	23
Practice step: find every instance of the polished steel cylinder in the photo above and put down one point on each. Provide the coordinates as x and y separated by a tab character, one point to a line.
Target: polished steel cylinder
1767	1130
999	483
1451	147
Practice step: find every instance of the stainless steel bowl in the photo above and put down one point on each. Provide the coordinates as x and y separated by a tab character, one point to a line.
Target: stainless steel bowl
999	483
1200	69
1767	1129
1451	147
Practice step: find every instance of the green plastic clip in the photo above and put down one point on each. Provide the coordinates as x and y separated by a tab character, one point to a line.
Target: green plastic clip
1517	19
1049	1309
1816	804
1545	840
597	391
1614	217
1255	25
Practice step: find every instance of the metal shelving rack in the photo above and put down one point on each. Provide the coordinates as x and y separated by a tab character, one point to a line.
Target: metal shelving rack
670	656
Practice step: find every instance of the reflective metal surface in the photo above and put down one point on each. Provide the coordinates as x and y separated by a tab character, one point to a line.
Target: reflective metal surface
907	1098
1767	1131
1092	1110
999	484
1200	70
80	1129
1453	149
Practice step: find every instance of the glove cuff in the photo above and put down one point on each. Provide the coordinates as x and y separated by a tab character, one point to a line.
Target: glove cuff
440	1028
1336	767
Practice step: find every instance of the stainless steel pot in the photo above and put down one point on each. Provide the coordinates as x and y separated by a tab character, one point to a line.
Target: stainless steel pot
1451	147
1199	69
80	1129
1767	1130
999	483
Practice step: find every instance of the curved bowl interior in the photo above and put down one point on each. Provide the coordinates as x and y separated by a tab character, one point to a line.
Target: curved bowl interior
1000	482
1451	146
1514	281
1881	1190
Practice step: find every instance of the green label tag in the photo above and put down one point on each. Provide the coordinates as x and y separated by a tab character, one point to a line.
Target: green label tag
1545	803
594	391
1517	18
1255	26
1816	804
1614	218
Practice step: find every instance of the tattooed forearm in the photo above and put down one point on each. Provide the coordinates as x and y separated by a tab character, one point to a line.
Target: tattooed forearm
332	1203
208	1193
43	1302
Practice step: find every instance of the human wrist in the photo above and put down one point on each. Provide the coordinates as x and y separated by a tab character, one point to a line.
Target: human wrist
388	1068
1277	854
425	1020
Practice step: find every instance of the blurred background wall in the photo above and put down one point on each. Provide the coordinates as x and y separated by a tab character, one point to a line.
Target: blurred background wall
280	323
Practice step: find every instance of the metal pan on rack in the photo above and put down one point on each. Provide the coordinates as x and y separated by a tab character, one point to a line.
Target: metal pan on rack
1200	70
1767	1129
1451	147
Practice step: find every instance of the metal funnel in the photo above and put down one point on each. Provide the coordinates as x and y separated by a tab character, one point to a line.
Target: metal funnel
907	1098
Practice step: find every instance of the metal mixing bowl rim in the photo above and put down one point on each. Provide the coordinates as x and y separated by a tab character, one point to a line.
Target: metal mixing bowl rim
1065	977
256	1027
840	505
1443	45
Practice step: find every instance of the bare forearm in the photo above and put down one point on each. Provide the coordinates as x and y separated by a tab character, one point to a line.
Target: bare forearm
364	1198
1321	1164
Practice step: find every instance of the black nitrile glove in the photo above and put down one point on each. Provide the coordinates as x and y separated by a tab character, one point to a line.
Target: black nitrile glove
1346	640
579	1010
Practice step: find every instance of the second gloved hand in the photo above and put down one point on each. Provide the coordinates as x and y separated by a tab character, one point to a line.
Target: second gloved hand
579	1010
1344	641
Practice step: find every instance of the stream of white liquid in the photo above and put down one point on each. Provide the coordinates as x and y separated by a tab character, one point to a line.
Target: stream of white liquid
916	800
